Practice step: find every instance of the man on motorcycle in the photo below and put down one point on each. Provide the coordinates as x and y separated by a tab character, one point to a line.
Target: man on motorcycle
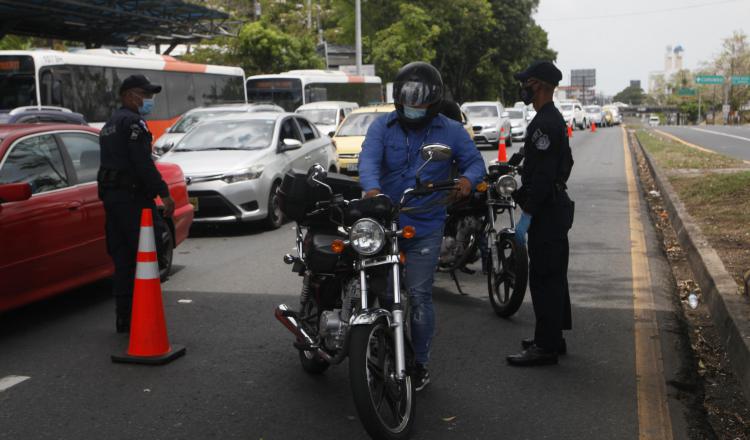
388	164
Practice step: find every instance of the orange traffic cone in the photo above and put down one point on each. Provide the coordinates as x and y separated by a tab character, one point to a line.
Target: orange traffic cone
593	127
570	131
501	154
148	330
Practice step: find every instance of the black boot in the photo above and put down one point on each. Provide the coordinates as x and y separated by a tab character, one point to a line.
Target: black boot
122	323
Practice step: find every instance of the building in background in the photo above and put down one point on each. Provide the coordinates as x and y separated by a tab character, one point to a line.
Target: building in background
657	80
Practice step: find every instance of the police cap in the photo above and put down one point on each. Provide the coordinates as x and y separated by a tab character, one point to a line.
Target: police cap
139	82
541	70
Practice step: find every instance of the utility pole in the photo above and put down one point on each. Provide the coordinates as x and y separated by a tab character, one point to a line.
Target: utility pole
358	34
309	14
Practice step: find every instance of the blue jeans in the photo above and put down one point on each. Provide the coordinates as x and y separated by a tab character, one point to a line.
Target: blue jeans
422	255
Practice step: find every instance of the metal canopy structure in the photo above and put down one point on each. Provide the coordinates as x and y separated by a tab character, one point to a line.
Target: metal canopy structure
113	22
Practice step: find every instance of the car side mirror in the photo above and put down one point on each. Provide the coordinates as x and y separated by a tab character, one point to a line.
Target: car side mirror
289	144
14	192
331	133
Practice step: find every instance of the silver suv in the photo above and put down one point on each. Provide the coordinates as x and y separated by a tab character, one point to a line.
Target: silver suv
488	122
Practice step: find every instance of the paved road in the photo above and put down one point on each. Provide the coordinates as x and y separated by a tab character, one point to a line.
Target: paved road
730	140
241	378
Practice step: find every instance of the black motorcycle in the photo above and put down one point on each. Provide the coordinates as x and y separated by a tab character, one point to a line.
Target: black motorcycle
471	234
349	259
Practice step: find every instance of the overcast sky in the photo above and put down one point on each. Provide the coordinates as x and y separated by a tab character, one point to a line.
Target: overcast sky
627	39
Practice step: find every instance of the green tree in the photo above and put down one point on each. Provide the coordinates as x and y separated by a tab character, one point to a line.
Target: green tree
15	42
632	95
261	48
410	39
735	60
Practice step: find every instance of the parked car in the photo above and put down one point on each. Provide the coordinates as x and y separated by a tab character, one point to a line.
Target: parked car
573	114
351	134
518	122
327	115
51	219
41	115
235	163
489	125
595	114
174	133
653	121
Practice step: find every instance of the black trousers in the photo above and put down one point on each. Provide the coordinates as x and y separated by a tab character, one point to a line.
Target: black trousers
548	282
122	228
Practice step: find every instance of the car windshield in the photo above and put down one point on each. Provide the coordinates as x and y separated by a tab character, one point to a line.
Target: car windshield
566	107
356	124
323	116
481	111
229	135
515	114
593	109
189	120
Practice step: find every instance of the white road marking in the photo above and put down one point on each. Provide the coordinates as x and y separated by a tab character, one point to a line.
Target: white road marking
10	381
184	301
722	134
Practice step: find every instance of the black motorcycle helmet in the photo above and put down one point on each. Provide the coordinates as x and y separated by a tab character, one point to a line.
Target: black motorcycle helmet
418	84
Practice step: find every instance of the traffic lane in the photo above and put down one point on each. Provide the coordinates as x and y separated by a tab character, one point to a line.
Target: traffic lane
731	141
241	379
238	258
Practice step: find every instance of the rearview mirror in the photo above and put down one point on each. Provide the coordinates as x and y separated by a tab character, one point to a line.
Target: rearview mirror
291	144
15	192
436	152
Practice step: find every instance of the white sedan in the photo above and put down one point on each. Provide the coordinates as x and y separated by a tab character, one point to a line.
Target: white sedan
234	164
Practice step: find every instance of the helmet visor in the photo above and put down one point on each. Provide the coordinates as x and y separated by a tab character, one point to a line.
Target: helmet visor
415	93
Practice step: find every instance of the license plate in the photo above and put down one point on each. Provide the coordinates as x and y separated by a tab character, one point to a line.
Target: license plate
193	201
352	167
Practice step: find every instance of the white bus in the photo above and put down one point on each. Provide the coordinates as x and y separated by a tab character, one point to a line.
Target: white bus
297	87
88	81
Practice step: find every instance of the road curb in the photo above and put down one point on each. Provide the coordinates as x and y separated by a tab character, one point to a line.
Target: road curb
730	311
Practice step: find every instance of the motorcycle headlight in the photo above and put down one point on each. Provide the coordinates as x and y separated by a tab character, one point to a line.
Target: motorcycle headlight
505	185
247	174
367	236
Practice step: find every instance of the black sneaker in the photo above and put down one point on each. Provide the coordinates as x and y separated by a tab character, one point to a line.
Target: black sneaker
421	377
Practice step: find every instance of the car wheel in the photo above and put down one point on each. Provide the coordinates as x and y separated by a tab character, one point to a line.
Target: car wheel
275	217
166	254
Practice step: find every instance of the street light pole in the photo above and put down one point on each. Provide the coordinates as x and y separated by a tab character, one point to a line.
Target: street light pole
358	34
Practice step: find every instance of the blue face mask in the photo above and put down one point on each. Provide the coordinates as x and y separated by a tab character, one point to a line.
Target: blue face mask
414	113
146	107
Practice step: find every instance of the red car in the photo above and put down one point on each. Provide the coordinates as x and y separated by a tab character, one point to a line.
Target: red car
51	219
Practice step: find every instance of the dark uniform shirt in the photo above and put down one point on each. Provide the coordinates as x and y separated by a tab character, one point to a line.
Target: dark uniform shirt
126	161
547	165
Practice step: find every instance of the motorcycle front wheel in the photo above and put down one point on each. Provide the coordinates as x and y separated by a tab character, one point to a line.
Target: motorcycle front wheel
385	404
507	283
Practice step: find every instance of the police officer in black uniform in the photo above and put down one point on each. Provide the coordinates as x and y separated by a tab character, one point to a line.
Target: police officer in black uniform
128	182
547	216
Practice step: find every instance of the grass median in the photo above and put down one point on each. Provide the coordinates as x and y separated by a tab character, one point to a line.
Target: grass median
716	192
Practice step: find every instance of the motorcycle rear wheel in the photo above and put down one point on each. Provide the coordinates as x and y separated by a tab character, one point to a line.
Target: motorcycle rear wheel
386	405
508	286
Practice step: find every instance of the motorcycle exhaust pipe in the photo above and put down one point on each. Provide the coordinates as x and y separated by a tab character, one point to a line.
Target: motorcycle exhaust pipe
287	318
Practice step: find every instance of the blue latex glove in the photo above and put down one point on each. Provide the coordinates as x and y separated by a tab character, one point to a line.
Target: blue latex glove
522	227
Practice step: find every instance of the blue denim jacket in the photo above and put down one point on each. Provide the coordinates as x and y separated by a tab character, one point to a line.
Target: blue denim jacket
390	158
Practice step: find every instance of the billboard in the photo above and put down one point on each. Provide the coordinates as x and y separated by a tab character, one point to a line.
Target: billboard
583	77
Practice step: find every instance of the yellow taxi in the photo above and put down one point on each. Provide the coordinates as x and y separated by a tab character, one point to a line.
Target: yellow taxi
351	134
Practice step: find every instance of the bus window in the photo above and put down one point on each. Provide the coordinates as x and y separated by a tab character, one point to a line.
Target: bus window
181	91
316	94
229	89
17	87
284	92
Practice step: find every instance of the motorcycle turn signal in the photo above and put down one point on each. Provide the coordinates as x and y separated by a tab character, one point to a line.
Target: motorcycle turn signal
338	246
409	232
